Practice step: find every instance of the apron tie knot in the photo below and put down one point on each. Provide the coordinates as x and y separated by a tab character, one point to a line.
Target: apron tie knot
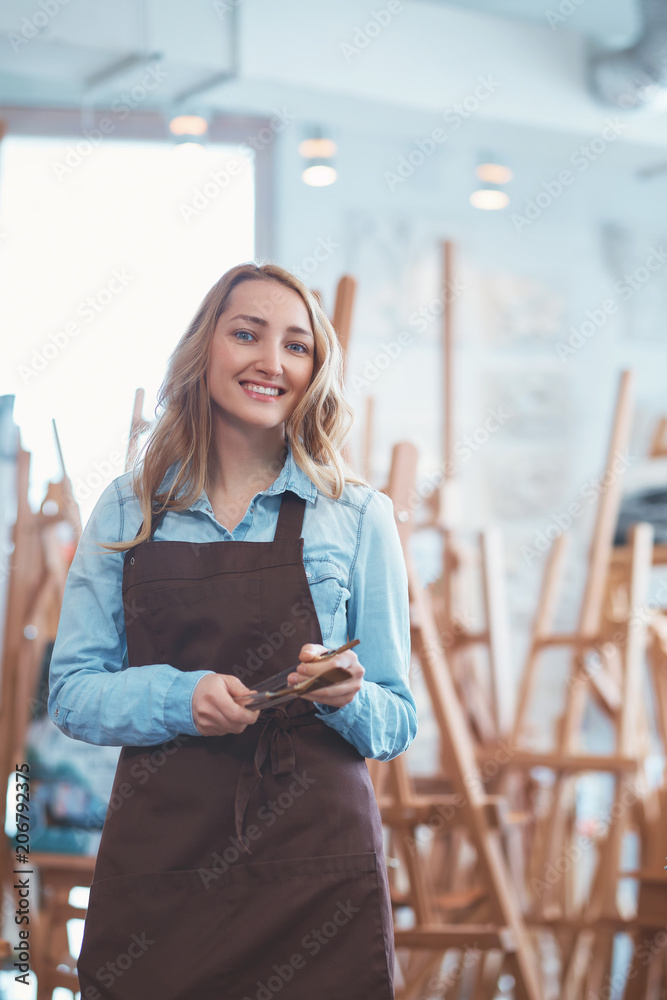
275	742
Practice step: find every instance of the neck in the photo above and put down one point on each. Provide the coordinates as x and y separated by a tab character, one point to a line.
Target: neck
239	461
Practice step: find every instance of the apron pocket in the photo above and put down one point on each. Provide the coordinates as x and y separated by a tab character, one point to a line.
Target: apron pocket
223	587
316	927
155	935
191	627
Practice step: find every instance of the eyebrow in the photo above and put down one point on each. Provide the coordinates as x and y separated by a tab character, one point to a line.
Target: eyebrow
264	322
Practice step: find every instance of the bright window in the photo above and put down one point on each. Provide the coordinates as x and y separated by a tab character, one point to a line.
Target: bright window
105	258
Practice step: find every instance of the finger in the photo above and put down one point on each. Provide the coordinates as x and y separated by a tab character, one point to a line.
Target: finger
231	727
321	666
304	674
354	668
311	649
333	691
234	712
235	685
356	672
249	715
231	708
225	724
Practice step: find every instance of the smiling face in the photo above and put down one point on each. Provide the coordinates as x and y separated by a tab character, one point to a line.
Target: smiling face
263	339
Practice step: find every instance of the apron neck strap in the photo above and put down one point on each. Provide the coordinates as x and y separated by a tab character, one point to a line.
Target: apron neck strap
290	518
155	520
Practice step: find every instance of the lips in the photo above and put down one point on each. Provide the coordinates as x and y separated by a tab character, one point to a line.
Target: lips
262	397
264	385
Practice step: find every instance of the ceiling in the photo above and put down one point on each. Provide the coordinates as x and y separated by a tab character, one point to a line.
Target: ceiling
608	22
92	52
250	57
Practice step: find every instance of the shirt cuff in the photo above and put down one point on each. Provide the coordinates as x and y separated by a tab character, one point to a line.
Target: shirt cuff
178	702
342	719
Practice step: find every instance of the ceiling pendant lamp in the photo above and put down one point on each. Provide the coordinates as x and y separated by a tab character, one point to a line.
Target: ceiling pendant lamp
489	197
491	173
189	130
318	152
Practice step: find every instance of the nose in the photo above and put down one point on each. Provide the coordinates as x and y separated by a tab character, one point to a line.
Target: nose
269	362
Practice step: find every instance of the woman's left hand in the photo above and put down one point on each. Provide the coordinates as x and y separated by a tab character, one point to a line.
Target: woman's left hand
339	694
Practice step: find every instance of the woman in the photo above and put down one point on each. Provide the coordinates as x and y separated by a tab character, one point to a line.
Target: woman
242	851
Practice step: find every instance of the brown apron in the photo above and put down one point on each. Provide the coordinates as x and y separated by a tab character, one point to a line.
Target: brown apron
242	866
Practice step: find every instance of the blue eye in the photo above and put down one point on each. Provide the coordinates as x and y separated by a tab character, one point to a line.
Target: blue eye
304	349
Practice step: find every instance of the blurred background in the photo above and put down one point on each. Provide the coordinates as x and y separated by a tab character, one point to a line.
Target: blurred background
149	145
113	227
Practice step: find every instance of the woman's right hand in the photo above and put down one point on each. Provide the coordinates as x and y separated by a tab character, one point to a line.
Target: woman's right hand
213	708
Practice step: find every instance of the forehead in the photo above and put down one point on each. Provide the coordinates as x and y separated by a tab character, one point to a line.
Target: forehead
272	297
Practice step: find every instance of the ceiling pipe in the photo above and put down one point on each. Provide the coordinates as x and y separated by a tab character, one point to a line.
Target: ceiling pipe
635	77
121	68
223	77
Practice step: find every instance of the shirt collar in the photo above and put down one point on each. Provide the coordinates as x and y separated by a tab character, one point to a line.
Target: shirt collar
291	477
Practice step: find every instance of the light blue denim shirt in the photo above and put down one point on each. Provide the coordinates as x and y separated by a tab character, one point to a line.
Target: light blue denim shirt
358	581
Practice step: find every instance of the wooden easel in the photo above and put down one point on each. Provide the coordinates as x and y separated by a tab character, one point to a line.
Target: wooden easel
657	651
37	581
555	833
138	426
346	292
610	636
479	659
341	321
658	448
38	573
587	632
482	915
647	974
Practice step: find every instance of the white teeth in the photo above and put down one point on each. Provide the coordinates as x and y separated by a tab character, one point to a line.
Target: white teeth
262	389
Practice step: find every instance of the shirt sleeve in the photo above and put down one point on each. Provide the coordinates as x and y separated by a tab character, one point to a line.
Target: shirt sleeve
94	695
381	719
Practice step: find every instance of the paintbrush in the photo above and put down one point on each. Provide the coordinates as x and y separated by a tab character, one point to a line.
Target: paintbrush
275	690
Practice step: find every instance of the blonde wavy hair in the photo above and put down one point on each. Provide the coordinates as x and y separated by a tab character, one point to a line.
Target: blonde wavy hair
316	429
